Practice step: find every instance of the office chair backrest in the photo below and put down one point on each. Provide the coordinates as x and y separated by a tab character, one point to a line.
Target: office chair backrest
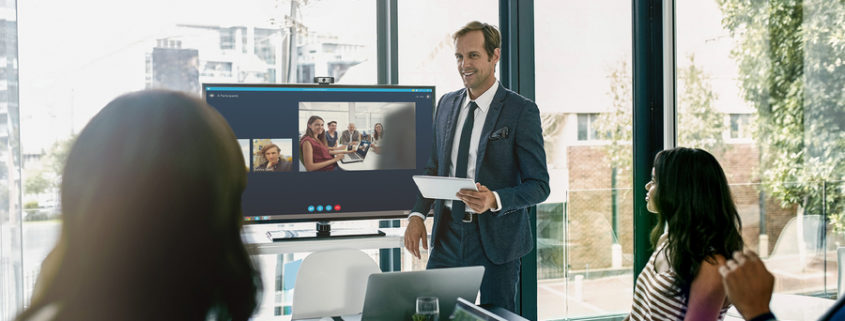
332	283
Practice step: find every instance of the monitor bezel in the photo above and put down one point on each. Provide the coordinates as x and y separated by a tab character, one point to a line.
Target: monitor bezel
343	216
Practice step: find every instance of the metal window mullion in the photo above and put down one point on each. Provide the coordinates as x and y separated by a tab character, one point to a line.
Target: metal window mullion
648	123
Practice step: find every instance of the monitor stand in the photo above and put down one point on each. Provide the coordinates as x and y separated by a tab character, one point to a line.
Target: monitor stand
323	231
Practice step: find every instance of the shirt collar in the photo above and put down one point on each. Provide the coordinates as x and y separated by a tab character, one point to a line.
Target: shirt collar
484	100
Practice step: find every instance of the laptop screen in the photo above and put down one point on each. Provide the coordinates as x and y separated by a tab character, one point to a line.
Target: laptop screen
363	147
466	311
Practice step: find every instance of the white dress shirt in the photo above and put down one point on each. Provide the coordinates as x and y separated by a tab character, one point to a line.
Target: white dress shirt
483	101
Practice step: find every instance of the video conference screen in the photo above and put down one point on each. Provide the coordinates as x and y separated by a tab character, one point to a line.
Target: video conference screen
382	132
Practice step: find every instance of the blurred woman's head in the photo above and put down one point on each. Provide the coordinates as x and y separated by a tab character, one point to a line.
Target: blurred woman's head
378	130
151	199
690	194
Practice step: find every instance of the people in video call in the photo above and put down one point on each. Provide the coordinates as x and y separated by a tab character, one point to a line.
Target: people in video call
377	137
331	134
316	155
697	229
378	134
489	227
350	135
273	161
154	232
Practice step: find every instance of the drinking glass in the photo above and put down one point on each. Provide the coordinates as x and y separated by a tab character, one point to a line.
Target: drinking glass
429	307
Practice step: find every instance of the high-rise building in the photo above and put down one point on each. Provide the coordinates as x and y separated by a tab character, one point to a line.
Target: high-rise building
239	54
169	66
11	289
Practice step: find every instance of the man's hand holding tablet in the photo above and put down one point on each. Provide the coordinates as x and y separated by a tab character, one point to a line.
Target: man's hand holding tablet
479	199
441	187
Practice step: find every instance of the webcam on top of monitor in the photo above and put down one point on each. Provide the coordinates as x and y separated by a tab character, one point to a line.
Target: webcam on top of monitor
324	80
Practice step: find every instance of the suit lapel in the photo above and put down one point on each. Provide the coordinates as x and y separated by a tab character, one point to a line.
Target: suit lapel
489	123
450	131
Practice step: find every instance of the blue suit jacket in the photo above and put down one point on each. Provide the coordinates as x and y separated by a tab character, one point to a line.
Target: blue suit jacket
510	160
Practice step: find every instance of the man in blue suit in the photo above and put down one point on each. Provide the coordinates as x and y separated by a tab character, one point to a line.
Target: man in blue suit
492	135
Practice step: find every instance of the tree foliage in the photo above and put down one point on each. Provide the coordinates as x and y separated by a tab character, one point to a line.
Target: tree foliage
616	125
48	175
36	182
700	125
791	57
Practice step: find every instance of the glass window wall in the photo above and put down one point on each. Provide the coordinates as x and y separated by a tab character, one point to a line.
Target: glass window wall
583	88
760	86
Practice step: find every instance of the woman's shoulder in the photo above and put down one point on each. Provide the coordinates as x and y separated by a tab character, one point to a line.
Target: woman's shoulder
708	272
714	261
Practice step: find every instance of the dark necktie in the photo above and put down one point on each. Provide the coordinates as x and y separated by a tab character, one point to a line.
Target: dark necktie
458	207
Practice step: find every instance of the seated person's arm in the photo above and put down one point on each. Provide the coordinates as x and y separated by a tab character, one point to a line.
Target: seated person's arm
342	149
707	295
748	284
308	158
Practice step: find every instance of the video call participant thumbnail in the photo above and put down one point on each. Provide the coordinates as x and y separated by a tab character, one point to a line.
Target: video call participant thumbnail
316	155
273	161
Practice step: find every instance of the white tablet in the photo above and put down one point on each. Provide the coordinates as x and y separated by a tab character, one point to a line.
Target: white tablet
444	188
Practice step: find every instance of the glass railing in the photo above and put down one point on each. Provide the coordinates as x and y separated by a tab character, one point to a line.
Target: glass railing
585	254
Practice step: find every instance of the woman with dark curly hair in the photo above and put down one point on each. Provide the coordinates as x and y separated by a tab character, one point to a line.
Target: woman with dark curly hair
697	229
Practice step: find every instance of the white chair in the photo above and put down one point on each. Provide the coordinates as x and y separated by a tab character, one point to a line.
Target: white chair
332	283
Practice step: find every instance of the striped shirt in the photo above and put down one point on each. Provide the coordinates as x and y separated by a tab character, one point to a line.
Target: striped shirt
653	294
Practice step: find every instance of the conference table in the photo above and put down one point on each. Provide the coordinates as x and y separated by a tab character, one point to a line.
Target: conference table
371	162
791	307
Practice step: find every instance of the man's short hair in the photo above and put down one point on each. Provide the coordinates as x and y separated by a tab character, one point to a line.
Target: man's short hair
492	37
332	122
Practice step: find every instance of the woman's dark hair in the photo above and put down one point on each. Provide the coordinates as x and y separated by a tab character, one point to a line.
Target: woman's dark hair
151	200
693	198
376	134
320	138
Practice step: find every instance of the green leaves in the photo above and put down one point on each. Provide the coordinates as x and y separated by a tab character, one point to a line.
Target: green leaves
790	55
